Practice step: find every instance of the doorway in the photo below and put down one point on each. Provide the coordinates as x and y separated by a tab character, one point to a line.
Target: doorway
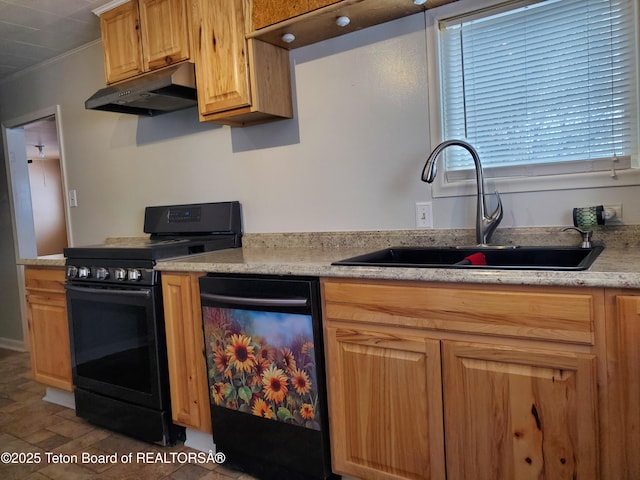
37	186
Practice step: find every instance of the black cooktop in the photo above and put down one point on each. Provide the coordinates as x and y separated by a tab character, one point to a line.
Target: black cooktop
176	231
153	249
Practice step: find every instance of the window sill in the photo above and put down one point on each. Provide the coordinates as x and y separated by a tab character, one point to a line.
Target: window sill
442	188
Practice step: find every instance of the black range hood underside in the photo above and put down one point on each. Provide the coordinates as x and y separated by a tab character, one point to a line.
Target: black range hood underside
154	93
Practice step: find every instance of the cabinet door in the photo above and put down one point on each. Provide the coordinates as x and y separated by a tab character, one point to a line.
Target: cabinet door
48	327
621	433
385	405
165	32
220	55
121	42
268	12
519	414
185	351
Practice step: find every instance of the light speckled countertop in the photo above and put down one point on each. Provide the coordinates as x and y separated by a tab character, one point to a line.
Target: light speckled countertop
618	266
613	268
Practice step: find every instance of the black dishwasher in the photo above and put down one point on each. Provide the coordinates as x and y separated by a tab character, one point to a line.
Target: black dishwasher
265	363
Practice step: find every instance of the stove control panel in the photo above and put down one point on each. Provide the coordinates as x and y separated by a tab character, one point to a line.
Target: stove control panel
102	274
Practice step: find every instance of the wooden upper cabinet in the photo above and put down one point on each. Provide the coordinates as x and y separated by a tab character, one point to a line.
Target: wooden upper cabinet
121	42
48	327
221	58
268	12
144	35
165	32
239	82
310	21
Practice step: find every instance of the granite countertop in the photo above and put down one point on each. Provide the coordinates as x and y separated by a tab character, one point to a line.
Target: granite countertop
311	254
619	268
56	260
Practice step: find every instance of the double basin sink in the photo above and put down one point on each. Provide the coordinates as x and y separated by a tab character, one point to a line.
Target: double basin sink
481	257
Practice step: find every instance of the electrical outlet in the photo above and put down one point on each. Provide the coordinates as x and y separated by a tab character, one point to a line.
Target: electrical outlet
424	215
617	208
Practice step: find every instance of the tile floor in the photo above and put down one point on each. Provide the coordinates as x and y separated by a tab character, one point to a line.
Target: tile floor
30	426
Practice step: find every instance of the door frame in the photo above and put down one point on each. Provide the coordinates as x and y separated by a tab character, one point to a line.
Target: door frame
23	244
26	241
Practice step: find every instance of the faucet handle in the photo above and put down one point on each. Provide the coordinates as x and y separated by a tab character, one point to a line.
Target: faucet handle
586	235
497	213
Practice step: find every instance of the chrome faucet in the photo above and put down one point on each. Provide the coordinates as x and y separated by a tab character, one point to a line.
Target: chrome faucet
485	224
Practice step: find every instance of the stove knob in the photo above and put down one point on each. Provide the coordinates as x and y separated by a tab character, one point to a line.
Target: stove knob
72	271
102	273
120	274
134	275
84	272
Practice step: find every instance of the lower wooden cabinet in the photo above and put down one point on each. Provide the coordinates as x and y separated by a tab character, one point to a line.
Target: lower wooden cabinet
519	413
185	351
621	398
415	378
48	327
385	404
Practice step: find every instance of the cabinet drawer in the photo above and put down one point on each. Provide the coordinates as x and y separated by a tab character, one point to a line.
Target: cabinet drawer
44	280
559	314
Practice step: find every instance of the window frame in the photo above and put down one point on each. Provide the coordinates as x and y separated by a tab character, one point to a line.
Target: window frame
442	187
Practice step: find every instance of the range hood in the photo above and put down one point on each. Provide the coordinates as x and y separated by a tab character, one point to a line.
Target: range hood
167	90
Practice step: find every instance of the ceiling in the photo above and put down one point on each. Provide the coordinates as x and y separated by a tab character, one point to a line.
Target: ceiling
32	31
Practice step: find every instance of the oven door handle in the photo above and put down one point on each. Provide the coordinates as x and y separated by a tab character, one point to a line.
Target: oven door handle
256	301
144	293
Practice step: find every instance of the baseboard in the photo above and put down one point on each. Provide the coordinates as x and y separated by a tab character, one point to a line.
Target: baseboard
199	440
59	397
11	344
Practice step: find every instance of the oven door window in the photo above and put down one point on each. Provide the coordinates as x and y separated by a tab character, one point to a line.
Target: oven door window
114	343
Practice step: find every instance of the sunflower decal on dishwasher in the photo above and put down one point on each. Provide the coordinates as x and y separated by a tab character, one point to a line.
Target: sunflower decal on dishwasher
262	363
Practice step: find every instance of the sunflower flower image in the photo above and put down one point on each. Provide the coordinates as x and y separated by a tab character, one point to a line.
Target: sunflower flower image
266	353
260	367
217	392
240	353
222	363
307	411
300	381
306	348
262	409
288	359
274	384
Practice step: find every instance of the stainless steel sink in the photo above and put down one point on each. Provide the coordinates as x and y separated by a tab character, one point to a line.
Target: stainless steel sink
500	258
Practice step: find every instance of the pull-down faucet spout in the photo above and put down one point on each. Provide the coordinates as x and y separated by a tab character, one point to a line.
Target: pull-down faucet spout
485	224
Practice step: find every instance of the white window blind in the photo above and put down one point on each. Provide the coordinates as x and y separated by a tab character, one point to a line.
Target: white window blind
541	88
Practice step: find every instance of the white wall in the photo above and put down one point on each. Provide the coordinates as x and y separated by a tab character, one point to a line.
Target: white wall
350	159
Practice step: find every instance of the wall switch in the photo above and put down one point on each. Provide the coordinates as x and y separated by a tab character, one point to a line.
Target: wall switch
73	198
424	215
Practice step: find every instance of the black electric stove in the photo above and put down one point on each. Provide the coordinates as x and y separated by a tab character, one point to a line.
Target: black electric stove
116	319
175	231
